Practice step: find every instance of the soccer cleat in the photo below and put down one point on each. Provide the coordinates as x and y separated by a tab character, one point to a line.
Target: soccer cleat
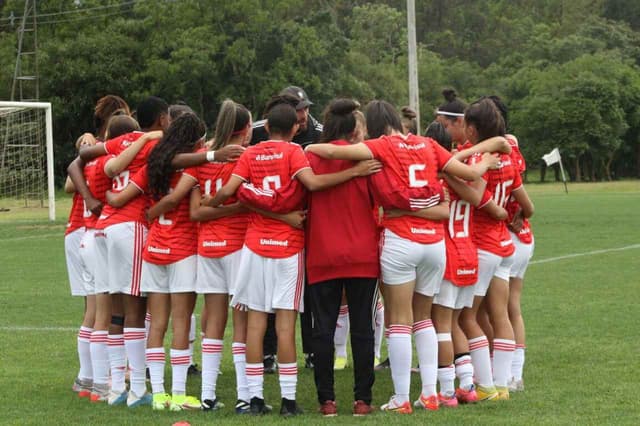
290	408
486	393
382	365
361	408
467	396
328	409
376	362
184	402
257	407
161	401
503	393
395	407
340	363
194	370
516	385
118	398
270	364
82	387
308	361
99	393
428	403
211	405
134	400
449	401
242	407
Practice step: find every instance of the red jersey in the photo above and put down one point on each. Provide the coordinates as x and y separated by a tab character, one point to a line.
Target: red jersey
133	211
220	237
271	165
525	235
462	254
76	215
415	161
98	183
489	234
342	237
172	236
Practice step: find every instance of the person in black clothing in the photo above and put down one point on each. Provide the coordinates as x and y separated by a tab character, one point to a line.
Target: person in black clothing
309	132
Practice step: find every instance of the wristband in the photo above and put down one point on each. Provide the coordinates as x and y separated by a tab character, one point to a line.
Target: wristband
211	156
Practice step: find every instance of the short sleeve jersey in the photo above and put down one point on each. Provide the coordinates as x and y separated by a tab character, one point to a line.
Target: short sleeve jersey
271	165
415	161
220	237
462	254
172	236
489	234
76	215
134	210
98	183
525	235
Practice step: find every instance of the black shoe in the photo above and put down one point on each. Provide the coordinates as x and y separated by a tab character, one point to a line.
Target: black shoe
290	408
211	405
384	364
243	407
193	370
308	360
270	364
257	407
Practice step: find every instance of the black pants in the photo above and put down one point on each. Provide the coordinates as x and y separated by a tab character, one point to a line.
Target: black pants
270	341
324	300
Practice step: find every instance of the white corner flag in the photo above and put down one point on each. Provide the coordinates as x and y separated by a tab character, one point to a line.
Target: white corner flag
552	158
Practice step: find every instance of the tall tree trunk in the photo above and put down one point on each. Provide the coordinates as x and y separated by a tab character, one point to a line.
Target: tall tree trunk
578	172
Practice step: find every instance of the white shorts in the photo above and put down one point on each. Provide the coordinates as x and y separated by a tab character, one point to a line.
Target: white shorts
125	243
75	267
403	260
265	284
218	274
177	277
88	255
101	268
454	297
522	256
491	265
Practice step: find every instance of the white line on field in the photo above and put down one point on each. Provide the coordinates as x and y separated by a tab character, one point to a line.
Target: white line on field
588	253
29	328
30	237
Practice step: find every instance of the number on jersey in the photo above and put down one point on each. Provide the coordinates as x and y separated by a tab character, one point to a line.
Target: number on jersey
500	196
121	181
271	182
207	186
460	212
414	182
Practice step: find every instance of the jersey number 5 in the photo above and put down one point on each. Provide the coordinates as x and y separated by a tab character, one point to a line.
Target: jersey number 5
414	182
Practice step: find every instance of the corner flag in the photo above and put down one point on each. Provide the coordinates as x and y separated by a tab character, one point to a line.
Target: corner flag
552	158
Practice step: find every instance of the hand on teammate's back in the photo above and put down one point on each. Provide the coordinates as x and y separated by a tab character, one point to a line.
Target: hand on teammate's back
367	167
229	153
296	218
94	206
492	160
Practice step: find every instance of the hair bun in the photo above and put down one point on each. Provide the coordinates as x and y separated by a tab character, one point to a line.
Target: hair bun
408	113
449	94
343	106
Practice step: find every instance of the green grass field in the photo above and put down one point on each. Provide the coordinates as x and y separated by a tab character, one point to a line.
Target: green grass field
581	312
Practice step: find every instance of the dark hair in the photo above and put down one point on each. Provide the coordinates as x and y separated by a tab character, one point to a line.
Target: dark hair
409	119
182	136
285	98
179	108
106	107
281	118
438	133
382	118
502	108
339	120
485	117
232	118
120	125
452	104
149	110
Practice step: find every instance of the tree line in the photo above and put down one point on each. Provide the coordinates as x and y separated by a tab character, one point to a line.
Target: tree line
568	69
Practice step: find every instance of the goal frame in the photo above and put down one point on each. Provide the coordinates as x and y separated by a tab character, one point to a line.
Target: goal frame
49	147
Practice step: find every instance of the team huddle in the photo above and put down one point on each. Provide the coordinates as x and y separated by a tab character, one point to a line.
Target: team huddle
342	221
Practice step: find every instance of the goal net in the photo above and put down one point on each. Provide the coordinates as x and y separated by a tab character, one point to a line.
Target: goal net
26	161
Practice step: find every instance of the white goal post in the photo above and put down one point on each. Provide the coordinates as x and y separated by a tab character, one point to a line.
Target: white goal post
22	159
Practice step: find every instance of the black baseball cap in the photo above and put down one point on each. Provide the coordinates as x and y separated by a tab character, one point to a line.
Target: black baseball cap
299	93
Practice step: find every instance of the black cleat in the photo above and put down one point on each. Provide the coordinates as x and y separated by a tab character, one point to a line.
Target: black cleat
290	408
257	407
194	370
270	364
243	407
384	364
211	405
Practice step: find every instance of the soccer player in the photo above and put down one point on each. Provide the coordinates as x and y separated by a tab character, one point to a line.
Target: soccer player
495	250
413	252
271	273
451	115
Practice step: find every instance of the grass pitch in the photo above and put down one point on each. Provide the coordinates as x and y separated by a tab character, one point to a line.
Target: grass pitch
581	314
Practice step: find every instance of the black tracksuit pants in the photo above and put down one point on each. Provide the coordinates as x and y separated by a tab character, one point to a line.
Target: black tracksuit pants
324	303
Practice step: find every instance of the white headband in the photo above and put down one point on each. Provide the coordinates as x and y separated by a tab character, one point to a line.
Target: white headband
451	114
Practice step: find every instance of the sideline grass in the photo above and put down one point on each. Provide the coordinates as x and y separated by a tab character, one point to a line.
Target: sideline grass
581	317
